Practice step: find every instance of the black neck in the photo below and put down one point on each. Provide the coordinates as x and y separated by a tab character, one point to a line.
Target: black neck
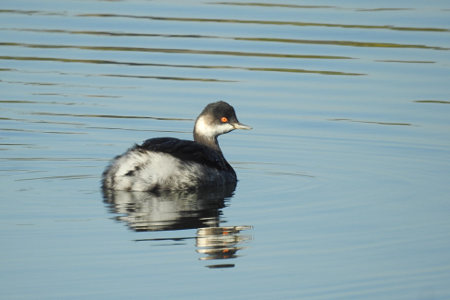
211	142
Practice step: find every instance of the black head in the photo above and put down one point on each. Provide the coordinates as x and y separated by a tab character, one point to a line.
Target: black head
221	112
216	118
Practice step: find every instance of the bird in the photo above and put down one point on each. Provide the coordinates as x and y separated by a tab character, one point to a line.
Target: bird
171	164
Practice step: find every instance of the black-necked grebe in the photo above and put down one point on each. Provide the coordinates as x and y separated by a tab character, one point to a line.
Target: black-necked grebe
173	164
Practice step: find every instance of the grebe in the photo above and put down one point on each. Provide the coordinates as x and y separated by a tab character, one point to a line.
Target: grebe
173	164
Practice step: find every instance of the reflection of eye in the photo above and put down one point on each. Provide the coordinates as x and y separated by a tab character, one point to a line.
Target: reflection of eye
224	119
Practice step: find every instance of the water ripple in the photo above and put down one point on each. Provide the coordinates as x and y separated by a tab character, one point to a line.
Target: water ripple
239	21
259	4
169	50
373	122
98	61
107	116
433	101
345	43
267	22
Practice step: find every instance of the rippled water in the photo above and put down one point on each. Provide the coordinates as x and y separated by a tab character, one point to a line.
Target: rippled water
343	190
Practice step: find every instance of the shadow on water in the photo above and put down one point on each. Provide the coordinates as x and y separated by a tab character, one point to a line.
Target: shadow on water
179	210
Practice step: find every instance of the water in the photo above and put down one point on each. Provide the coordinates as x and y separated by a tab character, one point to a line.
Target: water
343	190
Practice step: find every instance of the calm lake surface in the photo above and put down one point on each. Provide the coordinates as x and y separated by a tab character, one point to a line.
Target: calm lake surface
343	188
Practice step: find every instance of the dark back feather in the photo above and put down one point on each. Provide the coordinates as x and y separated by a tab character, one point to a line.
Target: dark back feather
189	151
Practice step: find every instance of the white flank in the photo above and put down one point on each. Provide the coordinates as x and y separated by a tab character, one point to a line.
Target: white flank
142	171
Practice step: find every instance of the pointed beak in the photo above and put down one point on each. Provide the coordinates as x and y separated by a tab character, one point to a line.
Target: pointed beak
241	126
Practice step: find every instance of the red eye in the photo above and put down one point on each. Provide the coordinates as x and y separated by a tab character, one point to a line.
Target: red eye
224	119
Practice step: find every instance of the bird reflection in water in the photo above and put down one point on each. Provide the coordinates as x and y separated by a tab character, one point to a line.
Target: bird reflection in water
177	210
221	243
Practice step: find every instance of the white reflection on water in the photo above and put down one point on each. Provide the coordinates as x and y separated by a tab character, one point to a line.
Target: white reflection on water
179	210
